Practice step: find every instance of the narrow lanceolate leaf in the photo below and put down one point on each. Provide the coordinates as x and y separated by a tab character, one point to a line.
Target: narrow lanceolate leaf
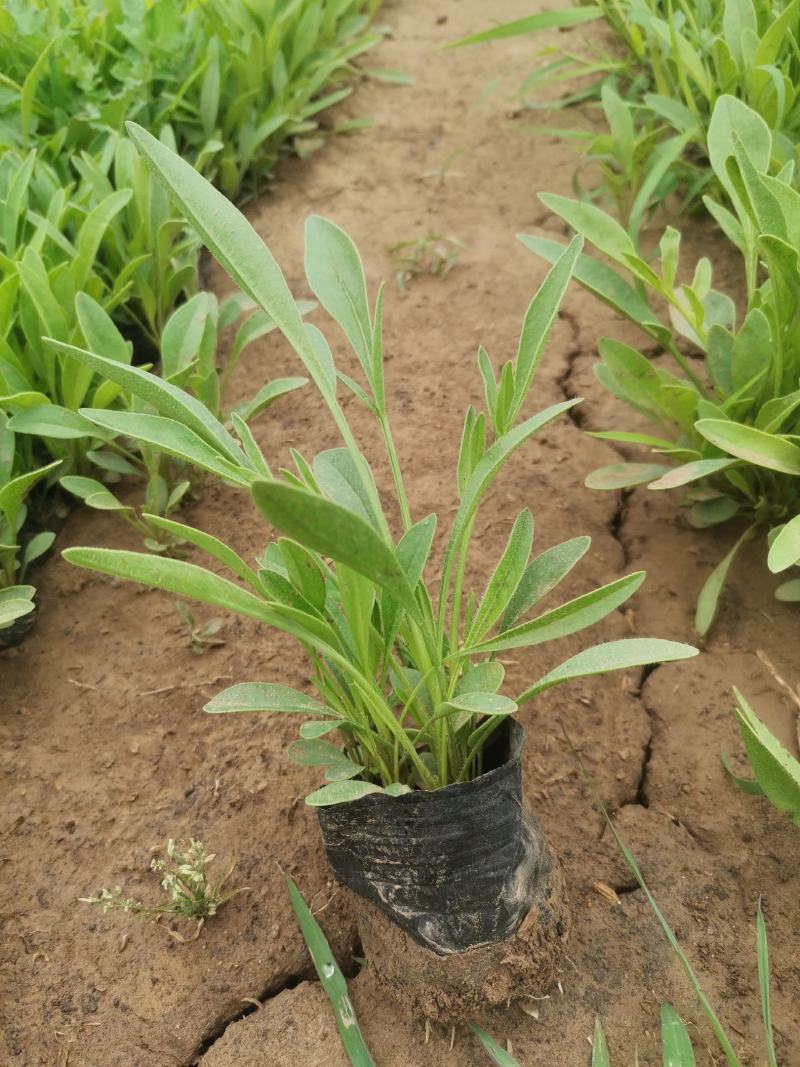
265	696
762	950
596	226
776	770
539	319
497	1054
542	20
756	446
567	619
172	437
611	656
171	575
167	399
207	543
542	575
600	1057
493	460
675	1043
477	704
94	493
333	531
412	552
237	246
505	578
341	793
336	276
332	979
785	549
625	475
690	472
708	601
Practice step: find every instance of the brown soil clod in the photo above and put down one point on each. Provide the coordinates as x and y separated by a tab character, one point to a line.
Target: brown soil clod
457	986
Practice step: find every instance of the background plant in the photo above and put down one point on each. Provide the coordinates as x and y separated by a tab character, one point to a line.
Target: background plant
17	552
408	680
672	61
193	894
730	423
189	360
84	224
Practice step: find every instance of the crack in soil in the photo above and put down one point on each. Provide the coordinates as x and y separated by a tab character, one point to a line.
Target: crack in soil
282	984
217	1029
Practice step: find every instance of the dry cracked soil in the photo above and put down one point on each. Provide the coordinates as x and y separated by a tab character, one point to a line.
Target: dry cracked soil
106	752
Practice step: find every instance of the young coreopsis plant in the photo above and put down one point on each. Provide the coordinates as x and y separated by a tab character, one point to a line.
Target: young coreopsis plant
407	675
727	427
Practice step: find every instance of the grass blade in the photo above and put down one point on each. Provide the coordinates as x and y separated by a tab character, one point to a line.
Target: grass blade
497	1054
763	983
332	979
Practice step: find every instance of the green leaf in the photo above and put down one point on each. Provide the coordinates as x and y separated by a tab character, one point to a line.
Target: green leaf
492	461
173	576
215	548
625	475
611	656
267	395
538	322
762	951
604	232
172	437
542	20
339	479
789	592
690	472
477	703
675	1043
755	446
14	608
14	492
505	579
486	677
567	619
497	1054
604	283
167	399
336	276
341	793
747	785
784	551
333	531
236	245
93	493
265	696
331	978
99	330
708	600
600	1057
542	575
50	420
776	770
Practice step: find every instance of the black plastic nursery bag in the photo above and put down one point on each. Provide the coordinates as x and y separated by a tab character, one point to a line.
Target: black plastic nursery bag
455	867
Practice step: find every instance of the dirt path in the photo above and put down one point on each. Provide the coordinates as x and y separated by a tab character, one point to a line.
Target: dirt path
105	752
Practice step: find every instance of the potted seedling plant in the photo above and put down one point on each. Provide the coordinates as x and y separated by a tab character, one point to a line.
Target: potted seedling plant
422	811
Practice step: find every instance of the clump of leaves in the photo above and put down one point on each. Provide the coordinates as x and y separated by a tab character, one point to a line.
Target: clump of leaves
202	636
677	61
407	676
777	771
17	551
727	427
192	892
432	254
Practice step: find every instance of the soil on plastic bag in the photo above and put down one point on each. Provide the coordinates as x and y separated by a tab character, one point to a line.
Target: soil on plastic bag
106	753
